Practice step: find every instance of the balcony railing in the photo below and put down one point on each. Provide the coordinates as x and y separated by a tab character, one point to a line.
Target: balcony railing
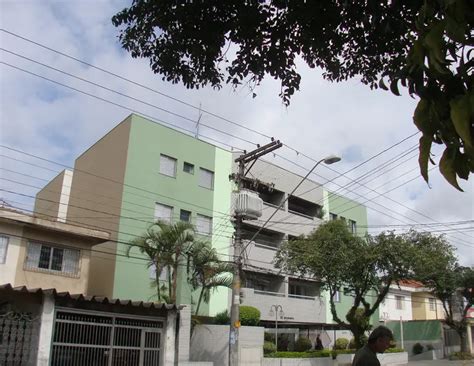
304	297
260	292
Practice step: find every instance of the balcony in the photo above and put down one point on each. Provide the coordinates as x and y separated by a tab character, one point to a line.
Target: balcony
296	308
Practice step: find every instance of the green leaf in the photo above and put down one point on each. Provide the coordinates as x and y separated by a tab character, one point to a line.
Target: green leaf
382	84
421	117
446	167
461	165
394	87
424	157
454	29
461	116
434	42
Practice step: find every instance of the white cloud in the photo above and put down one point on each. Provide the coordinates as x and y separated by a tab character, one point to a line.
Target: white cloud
323	118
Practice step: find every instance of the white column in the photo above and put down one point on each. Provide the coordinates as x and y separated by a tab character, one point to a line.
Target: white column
469	337
46	331
184	332
169	346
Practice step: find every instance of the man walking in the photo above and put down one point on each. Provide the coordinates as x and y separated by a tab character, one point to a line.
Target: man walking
379	341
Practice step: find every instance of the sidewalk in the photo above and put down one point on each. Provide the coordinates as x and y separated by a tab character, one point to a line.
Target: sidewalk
441	363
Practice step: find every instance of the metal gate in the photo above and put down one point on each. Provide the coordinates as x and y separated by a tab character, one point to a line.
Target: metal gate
19	334
86	338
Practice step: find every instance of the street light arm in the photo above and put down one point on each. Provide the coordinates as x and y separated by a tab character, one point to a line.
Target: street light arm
328	160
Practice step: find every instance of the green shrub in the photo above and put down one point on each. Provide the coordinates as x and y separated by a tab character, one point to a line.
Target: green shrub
417	348
283	343
222	318
269	337
429	347
352	344
394	350
393	344
303	344
312	354
341	343
269	347
460	356
249	315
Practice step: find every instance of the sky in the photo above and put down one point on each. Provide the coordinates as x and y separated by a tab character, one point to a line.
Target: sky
56	123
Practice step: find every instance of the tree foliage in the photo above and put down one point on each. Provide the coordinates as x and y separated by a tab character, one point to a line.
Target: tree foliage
364	267
424	46
451	283
173	248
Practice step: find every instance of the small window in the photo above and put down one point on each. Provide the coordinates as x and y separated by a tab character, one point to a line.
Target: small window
188	168
204	224
163	275
346	291
399	302
163	213
206	178
352	226
45	257
168	166
337	296
185	216
332	216
432	303
3	248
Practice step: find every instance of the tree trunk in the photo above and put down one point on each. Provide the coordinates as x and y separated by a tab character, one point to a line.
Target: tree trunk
199	301
359	336
463	339
174	285
157	280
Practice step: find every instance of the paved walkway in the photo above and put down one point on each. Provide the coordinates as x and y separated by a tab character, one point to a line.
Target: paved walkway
441	363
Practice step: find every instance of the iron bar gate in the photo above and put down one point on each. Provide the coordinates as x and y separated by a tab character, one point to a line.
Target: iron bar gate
94	338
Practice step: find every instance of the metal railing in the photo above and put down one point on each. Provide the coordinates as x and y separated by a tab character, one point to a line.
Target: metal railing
270	293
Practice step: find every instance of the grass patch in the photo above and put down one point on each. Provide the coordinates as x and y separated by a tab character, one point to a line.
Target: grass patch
309	354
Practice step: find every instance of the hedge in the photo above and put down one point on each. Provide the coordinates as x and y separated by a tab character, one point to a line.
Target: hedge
312	354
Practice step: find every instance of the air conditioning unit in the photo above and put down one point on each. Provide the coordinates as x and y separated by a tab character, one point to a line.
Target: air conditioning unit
248	204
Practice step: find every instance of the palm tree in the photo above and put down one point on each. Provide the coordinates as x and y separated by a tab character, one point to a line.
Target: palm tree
167	246
207	271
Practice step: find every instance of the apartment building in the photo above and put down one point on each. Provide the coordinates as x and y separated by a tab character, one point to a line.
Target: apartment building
38	253
302	300
142	171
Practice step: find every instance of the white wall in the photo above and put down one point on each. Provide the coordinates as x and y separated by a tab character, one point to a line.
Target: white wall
8	269
388	308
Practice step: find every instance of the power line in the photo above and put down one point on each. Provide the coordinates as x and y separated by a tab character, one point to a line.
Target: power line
133	110
135	83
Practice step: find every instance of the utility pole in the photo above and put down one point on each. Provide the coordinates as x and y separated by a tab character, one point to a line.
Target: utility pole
239	217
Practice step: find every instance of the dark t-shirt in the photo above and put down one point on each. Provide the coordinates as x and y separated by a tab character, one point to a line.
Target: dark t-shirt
365	357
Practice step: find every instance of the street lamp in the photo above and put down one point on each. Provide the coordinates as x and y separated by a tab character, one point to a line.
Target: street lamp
276	310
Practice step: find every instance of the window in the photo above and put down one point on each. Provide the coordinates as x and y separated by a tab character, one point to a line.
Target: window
346	291
332	216
399	302
168	166
352	226
3	248
204	224
163	274
45	257
188	168
432	303
206	178
185	216
337	296
163	213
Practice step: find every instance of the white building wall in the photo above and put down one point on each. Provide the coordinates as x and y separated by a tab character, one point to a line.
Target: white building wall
389	308
8	269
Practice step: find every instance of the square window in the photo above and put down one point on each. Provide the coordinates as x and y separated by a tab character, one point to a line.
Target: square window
163	213
399	302
185	216
352	226
45	257
167	165
188	168
3	248
206	178
163	275
204	224
432	303
332	216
